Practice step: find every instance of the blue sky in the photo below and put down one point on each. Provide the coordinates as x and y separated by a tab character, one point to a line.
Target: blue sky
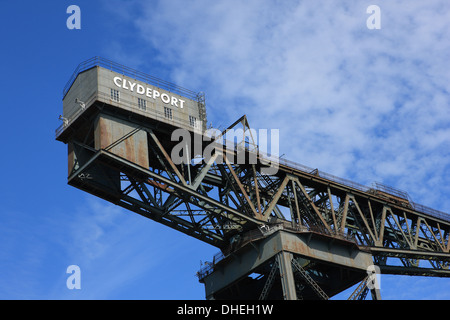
366	105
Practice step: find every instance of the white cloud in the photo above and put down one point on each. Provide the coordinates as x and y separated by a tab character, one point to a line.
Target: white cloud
369	105
113	248
344	97
118	250
104	239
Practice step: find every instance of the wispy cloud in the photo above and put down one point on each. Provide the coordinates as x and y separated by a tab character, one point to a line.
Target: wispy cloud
21	256
364	104
110	246
369	105
118	250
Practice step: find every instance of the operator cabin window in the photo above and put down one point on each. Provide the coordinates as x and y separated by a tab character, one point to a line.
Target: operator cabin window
115	95
142	104
168	113
193	121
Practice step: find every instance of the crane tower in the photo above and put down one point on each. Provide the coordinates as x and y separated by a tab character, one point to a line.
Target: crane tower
283	230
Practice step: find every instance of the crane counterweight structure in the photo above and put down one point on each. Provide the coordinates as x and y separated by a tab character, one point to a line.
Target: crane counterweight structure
290	233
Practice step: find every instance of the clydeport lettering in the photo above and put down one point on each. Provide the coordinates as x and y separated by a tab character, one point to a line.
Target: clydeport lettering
149	92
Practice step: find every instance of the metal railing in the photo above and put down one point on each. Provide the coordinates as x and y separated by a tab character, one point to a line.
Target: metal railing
138	75
430	211
261	233
130	106
390	190
377	186
130	72
74	115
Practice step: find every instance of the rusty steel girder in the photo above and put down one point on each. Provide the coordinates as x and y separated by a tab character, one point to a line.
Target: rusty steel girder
222	202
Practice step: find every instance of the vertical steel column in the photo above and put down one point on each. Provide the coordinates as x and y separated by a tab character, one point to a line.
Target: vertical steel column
376	295
287	275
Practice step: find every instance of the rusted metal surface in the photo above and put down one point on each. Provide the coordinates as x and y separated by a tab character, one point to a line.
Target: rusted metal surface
120	152
326	249
70	158
167	157
252	257
161	186
110	131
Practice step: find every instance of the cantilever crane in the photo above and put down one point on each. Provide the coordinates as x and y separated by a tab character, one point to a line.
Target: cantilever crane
320	231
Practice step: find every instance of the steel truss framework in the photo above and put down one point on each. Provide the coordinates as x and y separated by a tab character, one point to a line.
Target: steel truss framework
220	202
